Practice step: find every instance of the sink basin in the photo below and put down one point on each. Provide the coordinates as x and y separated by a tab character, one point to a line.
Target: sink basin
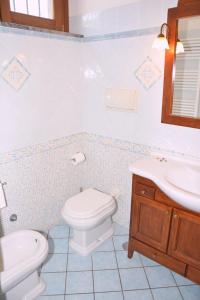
186	178
179	179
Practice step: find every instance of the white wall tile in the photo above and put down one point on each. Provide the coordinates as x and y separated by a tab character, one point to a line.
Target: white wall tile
38	186
48	106
116	62
65	94
101	17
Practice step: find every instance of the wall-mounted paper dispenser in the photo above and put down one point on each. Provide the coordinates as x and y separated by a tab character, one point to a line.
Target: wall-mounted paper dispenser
121	99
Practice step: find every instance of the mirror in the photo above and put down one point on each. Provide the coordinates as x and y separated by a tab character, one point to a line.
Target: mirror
186	90
181	95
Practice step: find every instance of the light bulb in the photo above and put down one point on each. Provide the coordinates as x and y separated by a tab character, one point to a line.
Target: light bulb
160	43
179	47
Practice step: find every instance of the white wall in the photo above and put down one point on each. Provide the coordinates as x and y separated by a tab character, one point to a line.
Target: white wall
48	106
112	64
65	94
94	17
81	7
38	184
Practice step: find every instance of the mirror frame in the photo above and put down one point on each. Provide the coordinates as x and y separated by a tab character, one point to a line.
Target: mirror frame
186	8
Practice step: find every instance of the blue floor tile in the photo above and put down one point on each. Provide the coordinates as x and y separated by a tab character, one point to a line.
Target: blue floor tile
79	282
106	281
159	277
79	263
59	232
71	232
55	263
109	296
180	280
80	297
120	229
170	293
147	262
190	292
71	250
51	298
125	262
58	245
138	295
55	283
119	241
104	260
106	246
133	279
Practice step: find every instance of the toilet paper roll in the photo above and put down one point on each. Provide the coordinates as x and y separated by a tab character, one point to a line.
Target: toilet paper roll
77	158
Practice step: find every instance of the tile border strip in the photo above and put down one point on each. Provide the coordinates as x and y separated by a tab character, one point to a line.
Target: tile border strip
122	35
83	137
135	147
52	34
38	148
38	32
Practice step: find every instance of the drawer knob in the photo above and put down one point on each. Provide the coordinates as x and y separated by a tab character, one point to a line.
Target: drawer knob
154	255
143	192
175	216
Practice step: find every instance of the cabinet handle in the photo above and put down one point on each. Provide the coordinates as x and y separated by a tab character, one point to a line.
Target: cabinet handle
175	216
167	212
143	192
154	255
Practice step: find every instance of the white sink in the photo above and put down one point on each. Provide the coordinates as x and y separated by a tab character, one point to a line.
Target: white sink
186	178
178	179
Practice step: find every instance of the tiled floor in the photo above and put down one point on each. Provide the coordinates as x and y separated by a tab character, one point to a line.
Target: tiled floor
108	274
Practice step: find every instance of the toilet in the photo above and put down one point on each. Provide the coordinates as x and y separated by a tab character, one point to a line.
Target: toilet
89	214
22	253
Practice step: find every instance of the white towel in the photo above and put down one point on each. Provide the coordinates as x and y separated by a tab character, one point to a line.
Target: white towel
2	197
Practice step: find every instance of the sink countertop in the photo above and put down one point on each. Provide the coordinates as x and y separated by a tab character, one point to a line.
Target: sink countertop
178	179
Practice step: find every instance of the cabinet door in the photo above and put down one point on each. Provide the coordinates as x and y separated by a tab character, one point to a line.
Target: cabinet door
185	238
151	222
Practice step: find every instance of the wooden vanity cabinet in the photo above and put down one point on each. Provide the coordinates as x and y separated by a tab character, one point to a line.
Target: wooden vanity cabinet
184	241
163	230
151	222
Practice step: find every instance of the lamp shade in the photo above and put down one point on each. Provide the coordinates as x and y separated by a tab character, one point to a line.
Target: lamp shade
179	47
160	43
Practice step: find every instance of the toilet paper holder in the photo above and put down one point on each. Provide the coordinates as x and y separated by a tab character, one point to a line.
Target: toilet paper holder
77	158
3	183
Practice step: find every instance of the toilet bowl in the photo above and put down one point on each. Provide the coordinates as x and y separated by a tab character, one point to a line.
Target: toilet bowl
89	214
22	252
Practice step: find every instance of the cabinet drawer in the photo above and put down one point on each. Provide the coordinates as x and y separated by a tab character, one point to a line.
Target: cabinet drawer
159	257
193	274
144	190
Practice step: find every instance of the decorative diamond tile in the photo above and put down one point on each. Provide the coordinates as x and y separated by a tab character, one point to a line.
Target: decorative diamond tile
15	74
148	73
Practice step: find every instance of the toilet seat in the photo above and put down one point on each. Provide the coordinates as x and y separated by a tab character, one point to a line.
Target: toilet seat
88	223
88	204
89	214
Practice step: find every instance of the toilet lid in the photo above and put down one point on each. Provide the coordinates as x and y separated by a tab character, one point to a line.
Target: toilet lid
88	203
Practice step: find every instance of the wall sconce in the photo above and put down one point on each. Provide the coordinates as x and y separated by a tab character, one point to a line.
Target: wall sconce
161	42
179	47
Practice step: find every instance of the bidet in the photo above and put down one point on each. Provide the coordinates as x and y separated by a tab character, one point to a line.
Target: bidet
22	254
